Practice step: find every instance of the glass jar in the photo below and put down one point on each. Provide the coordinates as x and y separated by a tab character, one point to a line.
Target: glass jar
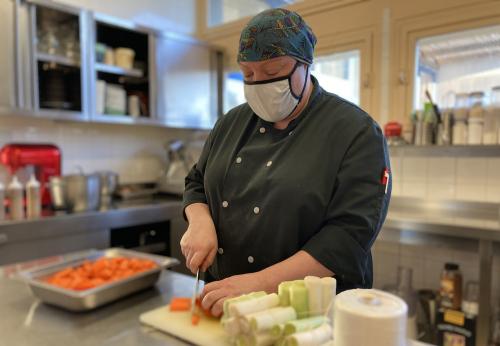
451	287
460	128
475	131
470	304
404	289
491	125
494	110
392	132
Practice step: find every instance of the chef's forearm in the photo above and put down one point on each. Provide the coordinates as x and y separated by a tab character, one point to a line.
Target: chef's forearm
295	267
198	212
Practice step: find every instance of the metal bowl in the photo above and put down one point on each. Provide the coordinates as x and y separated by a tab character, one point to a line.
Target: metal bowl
76	192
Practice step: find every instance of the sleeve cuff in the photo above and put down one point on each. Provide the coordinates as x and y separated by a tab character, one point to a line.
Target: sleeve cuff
334	248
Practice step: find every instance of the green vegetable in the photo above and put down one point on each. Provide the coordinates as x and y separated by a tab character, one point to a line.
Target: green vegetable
299	299
241	298
284	291
302	325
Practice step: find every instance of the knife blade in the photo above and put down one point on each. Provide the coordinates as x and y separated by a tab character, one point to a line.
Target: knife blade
195	293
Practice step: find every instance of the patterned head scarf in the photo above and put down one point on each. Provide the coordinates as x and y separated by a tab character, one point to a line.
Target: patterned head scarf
276	32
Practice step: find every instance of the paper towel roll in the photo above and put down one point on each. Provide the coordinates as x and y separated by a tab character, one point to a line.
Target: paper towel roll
369	317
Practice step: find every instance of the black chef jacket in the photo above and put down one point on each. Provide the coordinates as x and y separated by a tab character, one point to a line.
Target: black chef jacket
317	186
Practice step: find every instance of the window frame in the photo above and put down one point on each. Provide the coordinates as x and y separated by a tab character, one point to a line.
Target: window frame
362	41
407	32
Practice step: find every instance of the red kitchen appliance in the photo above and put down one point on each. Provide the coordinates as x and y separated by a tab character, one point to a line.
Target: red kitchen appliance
45	158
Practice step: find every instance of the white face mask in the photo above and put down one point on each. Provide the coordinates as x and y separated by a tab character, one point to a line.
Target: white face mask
273	100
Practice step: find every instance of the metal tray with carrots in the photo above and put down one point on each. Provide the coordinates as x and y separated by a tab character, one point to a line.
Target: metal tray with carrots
93	278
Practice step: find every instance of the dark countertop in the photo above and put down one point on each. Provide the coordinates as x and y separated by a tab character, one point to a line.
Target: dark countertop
25	321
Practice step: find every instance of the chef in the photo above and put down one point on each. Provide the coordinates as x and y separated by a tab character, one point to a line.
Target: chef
294	182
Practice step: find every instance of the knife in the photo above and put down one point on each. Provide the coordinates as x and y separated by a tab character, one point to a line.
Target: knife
195	294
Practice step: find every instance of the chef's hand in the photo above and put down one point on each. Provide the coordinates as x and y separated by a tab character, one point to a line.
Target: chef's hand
199	242
215	293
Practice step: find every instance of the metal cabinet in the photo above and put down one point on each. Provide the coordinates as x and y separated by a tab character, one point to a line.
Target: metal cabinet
50	68
17	245
15	62
138	81
189	82
50	72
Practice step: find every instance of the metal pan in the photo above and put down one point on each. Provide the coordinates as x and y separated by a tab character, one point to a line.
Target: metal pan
95	297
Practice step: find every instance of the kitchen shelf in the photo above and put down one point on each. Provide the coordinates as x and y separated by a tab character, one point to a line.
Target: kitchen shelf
447	150
118	70
57	59
126	119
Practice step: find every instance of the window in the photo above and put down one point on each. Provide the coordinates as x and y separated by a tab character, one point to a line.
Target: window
339	73
457	63
233	90
223	11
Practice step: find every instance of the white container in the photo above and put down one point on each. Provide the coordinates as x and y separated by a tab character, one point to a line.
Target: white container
116	99
459	132
134	106
15	197
124	57
33	199
475	131
2	205
490	128
100	96
109	56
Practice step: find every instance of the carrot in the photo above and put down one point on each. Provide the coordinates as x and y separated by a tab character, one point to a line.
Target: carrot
207	313
195	319
103	270
180	304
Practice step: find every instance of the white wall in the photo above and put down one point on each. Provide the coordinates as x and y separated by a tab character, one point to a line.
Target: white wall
171	15
438	178
136	153
448	178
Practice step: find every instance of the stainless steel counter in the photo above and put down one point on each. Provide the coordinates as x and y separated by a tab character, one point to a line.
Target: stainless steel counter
61	232
24	321
130	213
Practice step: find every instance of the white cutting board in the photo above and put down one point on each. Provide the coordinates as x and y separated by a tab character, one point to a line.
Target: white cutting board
208	332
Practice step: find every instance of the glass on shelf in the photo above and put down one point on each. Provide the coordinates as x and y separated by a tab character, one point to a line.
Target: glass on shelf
404	289
48	41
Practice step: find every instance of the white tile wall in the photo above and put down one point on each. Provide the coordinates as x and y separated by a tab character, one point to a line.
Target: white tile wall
136	153
441	170
427	263
445	178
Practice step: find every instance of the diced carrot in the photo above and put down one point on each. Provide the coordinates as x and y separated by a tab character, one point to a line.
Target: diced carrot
180	304
195	319
91	274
